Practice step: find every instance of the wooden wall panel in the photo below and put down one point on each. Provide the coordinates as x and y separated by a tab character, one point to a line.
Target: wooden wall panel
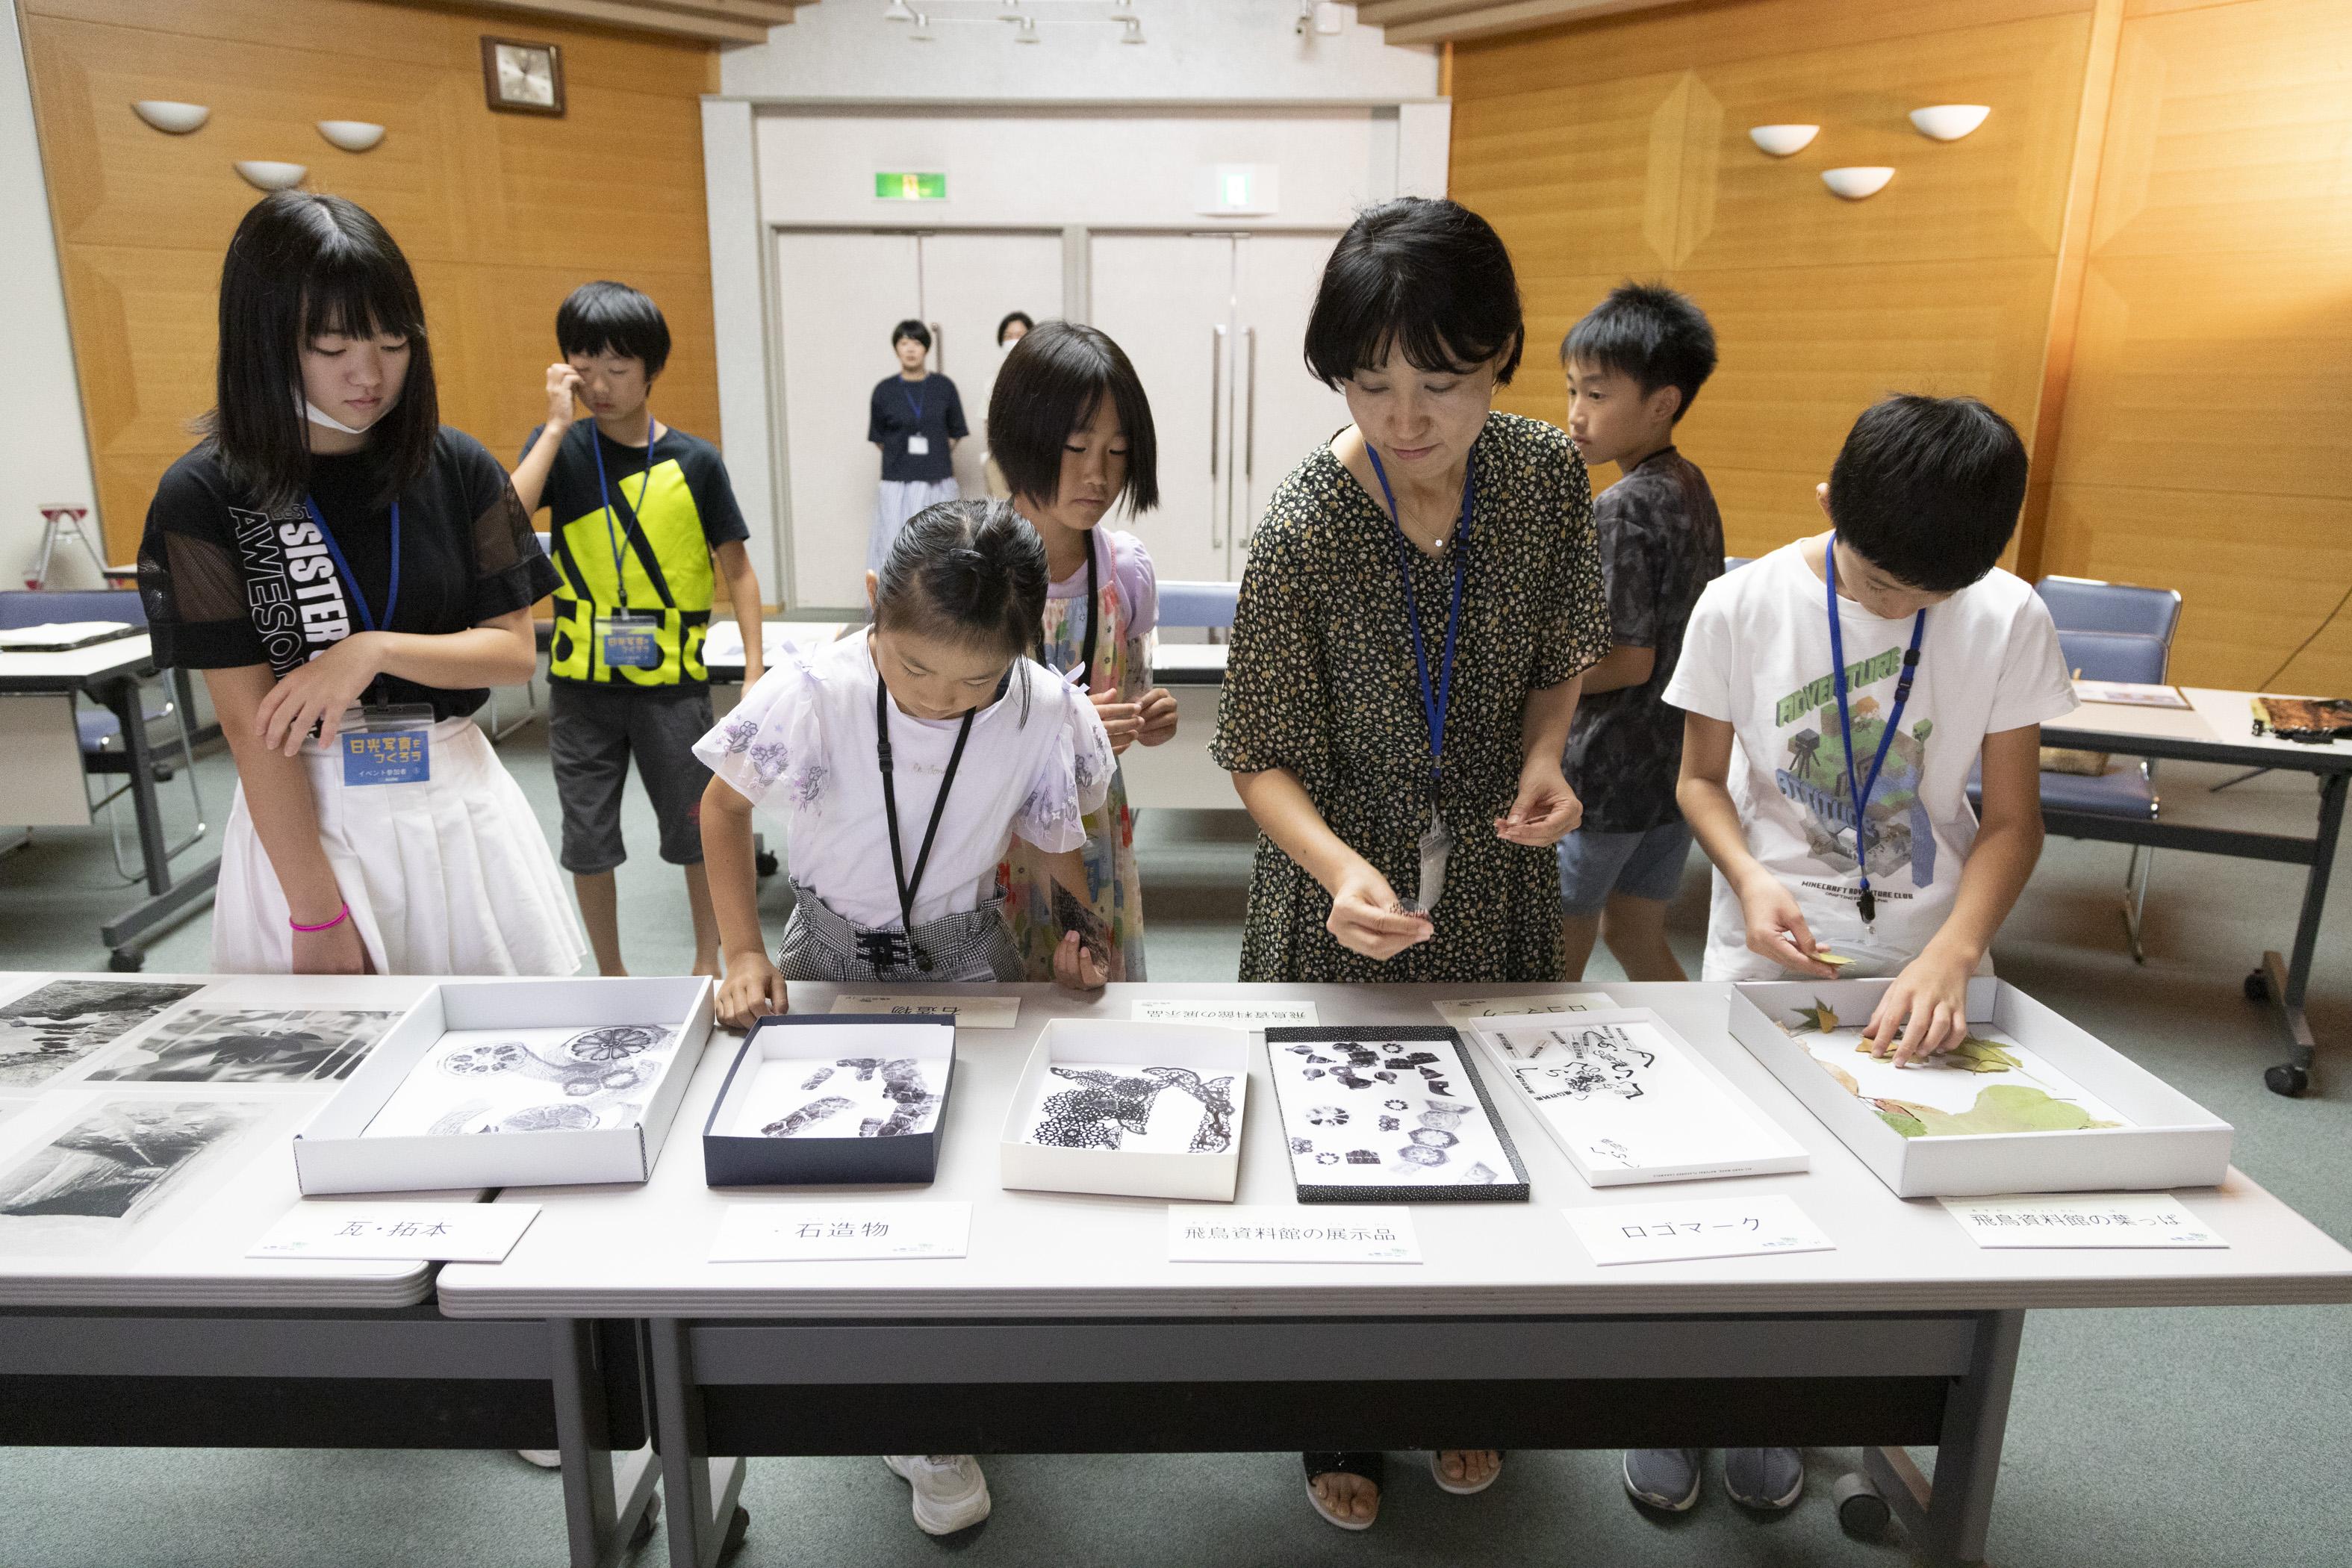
2206	445
500	214
1942	283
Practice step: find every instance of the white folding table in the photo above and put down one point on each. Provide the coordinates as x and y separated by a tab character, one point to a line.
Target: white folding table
1066	1328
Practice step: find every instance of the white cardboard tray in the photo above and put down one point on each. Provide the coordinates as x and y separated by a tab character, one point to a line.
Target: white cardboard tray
332	1156
2173	1141
1206	1049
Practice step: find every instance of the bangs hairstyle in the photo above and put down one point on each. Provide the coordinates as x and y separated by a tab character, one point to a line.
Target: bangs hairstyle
1927	489
1650	332
605	318
302	266
1049	387
1005	325
1423	275
972	573
911	328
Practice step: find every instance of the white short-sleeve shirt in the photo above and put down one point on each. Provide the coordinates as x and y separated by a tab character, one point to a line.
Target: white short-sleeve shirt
801	745
1756	656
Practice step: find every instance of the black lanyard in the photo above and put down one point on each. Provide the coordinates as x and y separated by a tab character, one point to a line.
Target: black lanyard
1859	789
890	806
1433	700
1094	615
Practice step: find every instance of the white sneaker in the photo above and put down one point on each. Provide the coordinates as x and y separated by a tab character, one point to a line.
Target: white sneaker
951	1494
545	1458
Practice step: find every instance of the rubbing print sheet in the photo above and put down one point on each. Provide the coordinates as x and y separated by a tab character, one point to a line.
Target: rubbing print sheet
1988	1084
1134	1110
529	1080
1375	1111
850	1096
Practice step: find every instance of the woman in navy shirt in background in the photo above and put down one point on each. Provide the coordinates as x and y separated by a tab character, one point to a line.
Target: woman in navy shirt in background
916	418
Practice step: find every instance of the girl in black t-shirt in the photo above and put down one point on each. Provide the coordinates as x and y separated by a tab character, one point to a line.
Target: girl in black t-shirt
351	576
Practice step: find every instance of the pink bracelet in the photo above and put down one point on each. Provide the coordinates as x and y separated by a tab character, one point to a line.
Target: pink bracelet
342	915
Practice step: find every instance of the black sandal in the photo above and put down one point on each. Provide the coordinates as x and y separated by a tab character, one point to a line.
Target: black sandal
1371	1466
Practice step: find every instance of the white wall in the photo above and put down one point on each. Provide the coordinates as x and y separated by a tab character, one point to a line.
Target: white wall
1211	49
44	450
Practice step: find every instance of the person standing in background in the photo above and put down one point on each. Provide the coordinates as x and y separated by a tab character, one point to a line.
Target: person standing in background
351	575
916	418
1015	326
642	515
1077	436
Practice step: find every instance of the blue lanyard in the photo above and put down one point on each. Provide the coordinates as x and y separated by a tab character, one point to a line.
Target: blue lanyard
905	390
1433	699
596	445
335	552
1862	790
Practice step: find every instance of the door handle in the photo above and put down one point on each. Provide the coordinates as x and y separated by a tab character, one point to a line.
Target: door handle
939	347
1216	377
1246	525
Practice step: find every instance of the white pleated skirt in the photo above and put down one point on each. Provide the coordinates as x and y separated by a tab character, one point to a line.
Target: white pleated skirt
894	503
451	876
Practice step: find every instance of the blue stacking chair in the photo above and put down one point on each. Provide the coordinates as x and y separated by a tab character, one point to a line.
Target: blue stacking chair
1209	605
2087	604
100	732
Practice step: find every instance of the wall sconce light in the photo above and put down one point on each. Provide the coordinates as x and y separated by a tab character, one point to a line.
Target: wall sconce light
1857	181
922	33
1783	139
164	114
265	174
1027	32
1949	121
351	135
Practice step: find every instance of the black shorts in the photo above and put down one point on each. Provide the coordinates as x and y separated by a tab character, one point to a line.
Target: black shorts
593	731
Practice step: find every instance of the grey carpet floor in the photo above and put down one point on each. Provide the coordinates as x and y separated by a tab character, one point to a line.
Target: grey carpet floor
2137	1440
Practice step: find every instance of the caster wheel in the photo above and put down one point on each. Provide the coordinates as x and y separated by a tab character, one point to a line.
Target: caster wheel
737	1527
2287	1079
124	961
646	1523
1862	1512
766	863
2258	988
162	773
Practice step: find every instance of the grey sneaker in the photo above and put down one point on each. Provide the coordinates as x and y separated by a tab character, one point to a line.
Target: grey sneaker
1769	1479
1663	1477
951	1494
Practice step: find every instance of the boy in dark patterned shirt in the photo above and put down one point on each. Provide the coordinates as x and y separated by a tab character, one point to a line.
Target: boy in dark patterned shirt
1633	366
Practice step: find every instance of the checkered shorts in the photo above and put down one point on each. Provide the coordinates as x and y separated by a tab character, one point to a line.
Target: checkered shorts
819	945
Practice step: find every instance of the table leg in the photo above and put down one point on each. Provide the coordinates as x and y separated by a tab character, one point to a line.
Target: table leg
2287	981
165	901
603	1512
1947	1521
704	1521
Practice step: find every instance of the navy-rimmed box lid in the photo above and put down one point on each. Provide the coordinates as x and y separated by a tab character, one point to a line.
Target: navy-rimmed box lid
857	1046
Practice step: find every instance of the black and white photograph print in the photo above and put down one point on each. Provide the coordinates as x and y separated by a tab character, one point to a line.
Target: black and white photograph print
287	1046
846	1097
566	1080
1134	1110
54	1026
87	1186
1397	1116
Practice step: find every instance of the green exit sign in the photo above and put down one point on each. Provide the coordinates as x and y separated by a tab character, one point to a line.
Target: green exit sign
896	187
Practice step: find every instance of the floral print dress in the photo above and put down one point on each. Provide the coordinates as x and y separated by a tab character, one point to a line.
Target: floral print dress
1320	679
1127	604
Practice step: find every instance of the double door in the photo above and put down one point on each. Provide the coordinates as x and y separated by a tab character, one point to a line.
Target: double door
1216	326
840	292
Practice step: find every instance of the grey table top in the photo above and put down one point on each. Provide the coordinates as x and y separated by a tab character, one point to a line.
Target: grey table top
641	1251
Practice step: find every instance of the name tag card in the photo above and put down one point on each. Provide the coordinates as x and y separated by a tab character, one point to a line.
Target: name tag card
1465	1012
380	757
1281	1233
630	640
836	1233
969	1012
424	1233
1707	1228
2080	1219
1227	1015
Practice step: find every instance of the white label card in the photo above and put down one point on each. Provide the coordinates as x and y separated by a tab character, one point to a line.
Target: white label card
2080	1219
1235	1014
1463	1012
1284	1232
833	1233
969	1012
427	1233
1711	1227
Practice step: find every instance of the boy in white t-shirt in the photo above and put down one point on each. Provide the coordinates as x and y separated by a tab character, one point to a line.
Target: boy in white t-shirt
1946	659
